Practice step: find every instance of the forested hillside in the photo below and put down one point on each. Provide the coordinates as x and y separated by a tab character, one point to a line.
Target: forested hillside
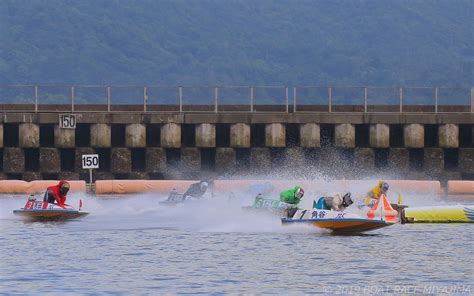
229	42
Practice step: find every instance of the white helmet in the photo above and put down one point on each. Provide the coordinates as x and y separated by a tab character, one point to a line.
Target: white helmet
299	193
204	185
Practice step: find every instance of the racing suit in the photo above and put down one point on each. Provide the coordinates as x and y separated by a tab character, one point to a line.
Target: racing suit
53	194
376	192
289	197
194	190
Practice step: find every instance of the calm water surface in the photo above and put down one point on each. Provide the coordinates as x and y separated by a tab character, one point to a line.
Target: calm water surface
136	246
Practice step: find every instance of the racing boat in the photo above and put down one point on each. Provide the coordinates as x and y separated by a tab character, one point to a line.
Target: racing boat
195	191
380	215
175	198
44	211
267	205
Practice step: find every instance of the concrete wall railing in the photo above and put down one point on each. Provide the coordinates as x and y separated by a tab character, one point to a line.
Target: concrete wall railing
319	186
460	190
23	187
461	187
129	98
456	189
140	186
242	186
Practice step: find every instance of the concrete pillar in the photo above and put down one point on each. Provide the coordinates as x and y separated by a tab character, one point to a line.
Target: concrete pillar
101	135
275	135
1	135
29	135
78	158
13	160
31	176
364	159
120	160
448	135
310	135
466	160
49	160
155	160
379	135
170	135
260	160
240	135
64	137
399	159
472	135
190	159
433	161
69	176
345	135
414	135
135	135
225	160
472	99
205	135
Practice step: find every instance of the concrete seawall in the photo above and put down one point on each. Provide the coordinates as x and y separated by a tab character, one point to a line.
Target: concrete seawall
453	191
197	145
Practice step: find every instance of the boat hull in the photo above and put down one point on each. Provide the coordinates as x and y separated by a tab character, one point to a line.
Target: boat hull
341	225
44	211
44	215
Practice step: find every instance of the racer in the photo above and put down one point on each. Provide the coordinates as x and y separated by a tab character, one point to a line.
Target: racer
338	202
196	190
377	191
292	198
57	193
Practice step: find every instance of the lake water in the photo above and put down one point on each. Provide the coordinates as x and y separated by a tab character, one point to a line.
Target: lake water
137	246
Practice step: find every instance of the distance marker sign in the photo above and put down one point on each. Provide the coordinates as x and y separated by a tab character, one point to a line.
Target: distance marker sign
67	121
90	161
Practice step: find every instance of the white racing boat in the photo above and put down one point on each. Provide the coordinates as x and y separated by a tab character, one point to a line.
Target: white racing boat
44	211
380	215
